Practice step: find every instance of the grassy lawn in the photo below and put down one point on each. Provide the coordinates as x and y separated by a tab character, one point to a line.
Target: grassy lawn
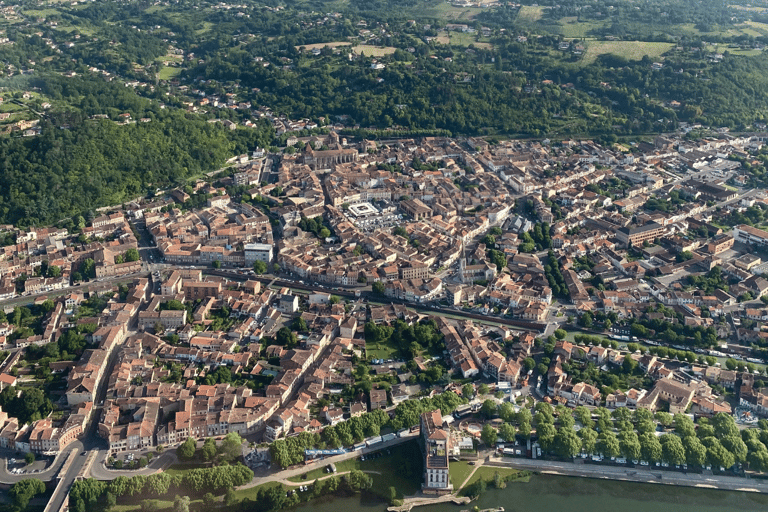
401	468
251	492
178	469
374	51
42	13
571	334
162	505
461	39
332	44
631	50
571	27
487	473
459	472
341	467
381	350
529	14
168	72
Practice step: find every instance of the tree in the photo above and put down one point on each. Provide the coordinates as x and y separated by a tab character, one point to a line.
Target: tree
286	338
717	454
608	444
564	416
529	364
588	439
181	504
507	412
585	320
47	306
507	432
132	255
736	446
724	425
695	451
187	449
230	498
232	446
650	447
584	416
546	433
560	334
208	451
299	325
467	390
489	435
664	418
392	495
29	458
209	500
567	443
23	491
629	364
488	410
216	264
684	426
259	267
358	481
483	389
544	412
672	449
630	445
378	287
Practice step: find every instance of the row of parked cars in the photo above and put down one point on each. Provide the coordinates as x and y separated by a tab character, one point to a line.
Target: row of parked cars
302	488
636	462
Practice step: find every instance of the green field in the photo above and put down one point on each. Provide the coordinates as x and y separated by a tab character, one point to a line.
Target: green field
178	469
444	10
461	39
42	13
387	470
459	472
373	51
168	72
571	27
487	473
529	14
381	350
631	50
252	492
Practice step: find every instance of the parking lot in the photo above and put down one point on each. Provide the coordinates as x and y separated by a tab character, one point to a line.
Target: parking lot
18	466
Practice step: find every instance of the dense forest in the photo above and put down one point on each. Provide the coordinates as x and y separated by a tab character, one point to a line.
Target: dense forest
93	163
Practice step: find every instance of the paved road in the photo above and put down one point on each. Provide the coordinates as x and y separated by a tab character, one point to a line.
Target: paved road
732	483
50	472
28	299
158	463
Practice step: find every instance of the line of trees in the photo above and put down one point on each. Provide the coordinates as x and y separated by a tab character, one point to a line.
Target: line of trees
717	441
86	494
290	451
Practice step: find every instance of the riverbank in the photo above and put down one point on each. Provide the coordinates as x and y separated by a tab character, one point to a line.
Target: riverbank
622	473
410	503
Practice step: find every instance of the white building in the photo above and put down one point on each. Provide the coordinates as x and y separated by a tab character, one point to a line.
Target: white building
257	252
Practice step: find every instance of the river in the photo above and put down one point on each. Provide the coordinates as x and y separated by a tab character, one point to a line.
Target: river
571	494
